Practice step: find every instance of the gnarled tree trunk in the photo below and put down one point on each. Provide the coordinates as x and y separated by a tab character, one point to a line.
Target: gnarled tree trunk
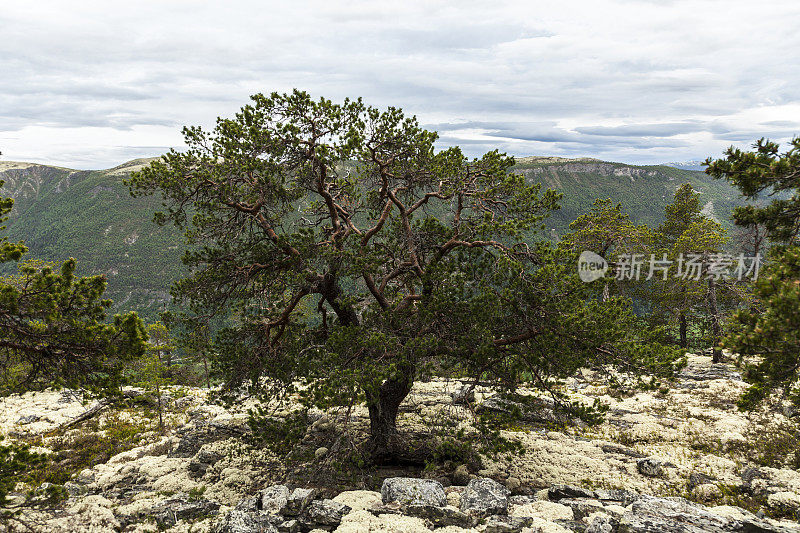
683	330
384	445
716	328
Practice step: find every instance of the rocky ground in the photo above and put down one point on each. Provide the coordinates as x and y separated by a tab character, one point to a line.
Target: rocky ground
681	459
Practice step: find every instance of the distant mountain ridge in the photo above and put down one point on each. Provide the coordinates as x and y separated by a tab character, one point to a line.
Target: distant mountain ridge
688	165
90	215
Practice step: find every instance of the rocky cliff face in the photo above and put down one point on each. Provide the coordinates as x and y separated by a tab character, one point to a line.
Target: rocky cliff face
677	460
598	168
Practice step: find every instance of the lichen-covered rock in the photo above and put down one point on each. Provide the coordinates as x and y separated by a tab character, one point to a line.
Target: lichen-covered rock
243	522
785	502
454	499
297	501
706	492
540	525
751	523
320	452
179	507
366	522
74	489
249	504
699	478
513	484
274	498
484	496
558	492
581	507
91	514
650	467
602	523
507	524
520	499
411	491
711	372
537	410
290	526
202	460
673	515
441	516
207	456
326	513
204	449
30	419
621	496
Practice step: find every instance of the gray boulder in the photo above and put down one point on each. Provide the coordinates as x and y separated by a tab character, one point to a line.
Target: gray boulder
243	522
297	501
582	507
603	524
559	492
707	373
202	460
274	499
484	497
507	524
326	513
617	496
649	514
171	511
412	491
441	516
698	478
207	456
249	504
650	467
74	489
520	499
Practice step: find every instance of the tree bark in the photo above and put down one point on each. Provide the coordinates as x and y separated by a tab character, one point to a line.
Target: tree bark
329	289
716	328
383	405
683	330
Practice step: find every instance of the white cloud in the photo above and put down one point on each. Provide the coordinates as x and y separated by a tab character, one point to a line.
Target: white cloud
87	83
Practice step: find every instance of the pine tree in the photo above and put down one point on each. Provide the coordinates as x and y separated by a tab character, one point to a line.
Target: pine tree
686	294
352	257
770	329
53	333
608	231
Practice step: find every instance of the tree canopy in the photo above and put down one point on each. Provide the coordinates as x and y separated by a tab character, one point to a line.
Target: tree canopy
769	330
352	256
53	328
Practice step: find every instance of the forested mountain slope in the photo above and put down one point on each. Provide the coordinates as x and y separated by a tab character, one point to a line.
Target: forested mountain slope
89	215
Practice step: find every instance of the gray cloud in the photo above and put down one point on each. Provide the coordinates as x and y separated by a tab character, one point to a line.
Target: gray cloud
644	130
623	80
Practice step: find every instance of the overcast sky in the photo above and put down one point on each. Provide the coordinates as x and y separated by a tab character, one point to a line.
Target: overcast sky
93	84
